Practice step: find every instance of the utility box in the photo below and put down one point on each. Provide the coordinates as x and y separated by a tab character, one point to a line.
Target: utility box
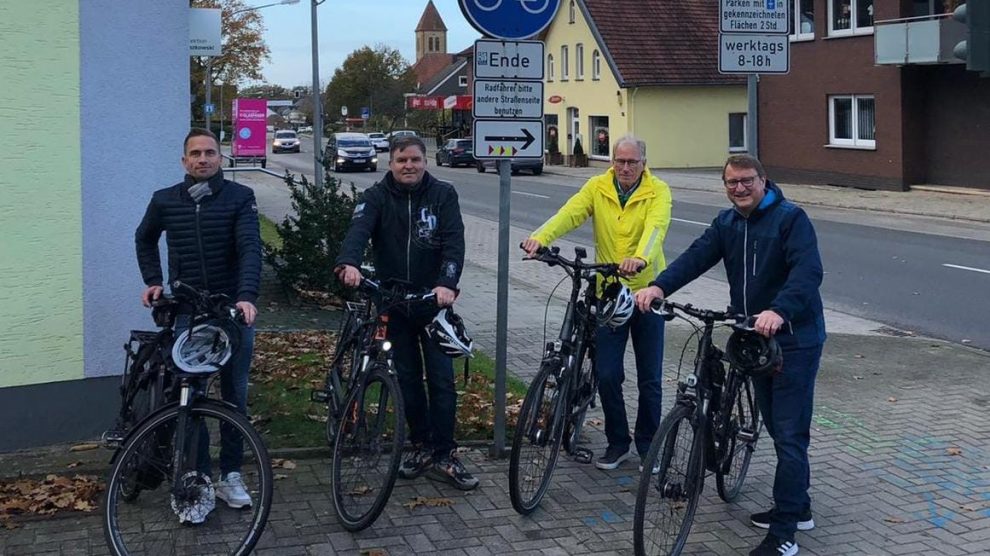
250	127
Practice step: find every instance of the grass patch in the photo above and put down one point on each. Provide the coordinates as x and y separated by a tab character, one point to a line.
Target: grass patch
287	366
269	233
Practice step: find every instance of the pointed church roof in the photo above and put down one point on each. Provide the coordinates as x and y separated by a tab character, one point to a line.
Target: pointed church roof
431	20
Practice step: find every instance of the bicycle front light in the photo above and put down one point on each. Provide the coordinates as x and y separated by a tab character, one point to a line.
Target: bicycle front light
386	346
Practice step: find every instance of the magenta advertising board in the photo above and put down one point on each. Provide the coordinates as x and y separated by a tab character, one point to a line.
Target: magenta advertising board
250	123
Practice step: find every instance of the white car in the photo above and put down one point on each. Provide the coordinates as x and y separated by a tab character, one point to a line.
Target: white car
379	141
285	140
305	129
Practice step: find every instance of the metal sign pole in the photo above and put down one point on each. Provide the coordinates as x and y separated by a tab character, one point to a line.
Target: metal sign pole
752	127
502	304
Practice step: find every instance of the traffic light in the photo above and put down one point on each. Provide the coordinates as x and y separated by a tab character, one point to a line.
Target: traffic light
975	50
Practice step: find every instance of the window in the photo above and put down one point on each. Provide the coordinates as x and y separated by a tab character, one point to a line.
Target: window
579	61
852	121
802	20
850	17
596	65
600	146
563	63
549	67
737	132
462	81
570	12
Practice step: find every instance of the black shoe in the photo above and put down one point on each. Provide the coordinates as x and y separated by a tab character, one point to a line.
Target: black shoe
450	470
773	545
416	462
612	458
762	520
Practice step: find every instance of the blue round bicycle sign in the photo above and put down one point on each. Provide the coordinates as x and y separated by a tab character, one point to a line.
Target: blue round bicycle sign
510	19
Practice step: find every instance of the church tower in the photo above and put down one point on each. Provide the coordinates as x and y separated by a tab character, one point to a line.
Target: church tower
431	33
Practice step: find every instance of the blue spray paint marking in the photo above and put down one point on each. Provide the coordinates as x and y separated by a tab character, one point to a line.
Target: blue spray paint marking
625	481
590	521
610	517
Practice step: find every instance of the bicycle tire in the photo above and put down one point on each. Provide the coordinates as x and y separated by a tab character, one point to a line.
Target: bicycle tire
736	435
143	526
675	488
344	367
540	404
367	449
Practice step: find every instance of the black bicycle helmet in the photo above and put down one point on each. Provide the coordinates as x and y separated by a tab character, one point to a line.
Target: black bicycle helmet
753	353
449	334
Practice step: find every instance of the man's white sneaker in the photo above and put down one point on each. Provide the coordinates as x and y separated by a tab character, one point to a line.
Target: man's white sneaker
231	490
200	501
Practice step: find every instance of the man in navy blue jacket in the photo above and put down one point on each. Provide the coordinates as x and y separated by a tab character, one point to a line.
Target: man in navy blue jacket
770	253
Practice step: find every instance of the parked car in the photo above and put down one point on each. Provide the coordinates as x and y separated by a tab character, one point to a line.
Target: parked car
456	152
305	129
534	165
379	141
285	140
349	151
400	132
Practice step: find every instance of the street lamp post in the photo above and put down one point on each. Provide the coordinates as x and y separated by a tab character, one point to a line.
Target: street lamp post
317	105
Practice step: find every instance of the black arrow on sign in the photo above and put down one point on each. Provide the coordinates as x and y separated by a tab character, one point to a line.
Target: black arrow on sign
527	137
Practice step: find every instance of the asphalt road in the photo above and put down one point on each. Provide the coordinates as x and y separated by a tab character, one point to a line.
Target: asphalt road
912	273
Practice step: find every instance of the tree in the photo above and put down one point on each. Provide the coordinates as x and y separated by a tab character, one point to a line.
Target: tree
243	48
266	90
376	78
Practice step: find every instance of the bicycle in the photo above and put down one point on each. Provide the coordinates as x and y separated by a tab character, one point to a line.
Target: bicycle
713	427
366	424
161	470
558	399
523	3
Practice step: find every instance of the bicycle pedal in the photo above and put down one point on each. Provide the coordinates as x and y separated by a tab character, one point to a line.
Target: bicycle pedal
112	439
319	396
583	455
746	435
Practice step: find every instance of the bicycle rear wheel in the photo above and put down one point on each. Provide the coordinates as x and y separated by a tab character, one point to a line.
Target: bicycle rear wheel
736	434
666	501
156	523
367	449
537	440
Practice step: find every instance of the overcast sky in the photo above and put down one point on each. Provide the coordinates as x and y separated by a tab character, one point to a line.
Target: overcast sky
345	26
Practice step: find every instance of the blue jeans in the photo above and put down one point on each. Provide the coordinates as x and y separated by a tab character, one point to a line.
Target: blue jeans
646	330
786	402
233	390
430	420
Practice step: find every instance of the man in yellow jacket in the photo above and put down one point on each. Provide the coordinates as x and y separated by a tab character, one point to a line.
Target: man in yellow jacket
630	211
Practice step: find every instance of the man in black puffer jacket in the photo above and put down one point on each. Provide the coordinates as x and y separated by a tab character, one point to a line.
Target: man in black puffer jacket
414	223
214	243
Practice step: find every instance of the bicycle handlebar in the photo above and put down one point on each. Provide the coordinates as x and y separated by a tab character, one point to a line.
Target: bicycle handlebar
394	295
218	305
552	256
665	309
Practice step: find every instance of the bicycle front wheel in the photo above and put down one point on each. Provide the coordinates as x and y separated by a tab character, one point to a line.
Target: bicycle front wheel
736	434
188	516
537	440
367	449
666	501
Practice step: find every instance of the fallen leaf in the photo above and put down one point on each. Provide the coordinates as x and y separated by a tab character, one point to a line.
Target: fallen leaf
892	399
288	464
74	464
859	356
954	451
857	377
428	502
280	476
360	490
595	422
84	447
894	519
374	552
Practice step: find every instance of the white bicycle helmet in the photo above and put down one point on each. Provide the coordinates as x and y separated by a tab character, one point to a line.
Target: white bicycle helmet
616	305
448	332
204	348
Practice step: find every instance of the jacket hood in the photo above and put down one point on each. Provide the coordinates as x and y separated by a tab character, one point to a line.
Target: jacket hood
778	197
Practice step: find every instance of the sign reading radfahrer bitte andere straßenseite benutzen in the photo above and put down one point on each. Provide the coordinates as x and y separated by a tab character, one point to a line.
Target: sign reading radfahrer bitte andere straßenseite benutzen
765	17
508	99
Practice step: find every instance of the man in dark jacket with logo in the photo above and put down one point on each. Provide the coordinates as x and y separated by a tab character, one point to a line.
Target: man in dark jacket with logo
214	243
414	223
770	253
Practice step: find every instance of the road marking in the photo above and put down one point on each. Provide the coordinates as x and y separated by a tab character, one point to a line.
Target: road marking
705	224
984	271
531	194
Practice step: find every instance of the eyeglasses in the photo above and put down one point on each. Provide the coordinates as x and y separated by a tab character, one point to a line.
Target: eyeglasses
746	182
618	162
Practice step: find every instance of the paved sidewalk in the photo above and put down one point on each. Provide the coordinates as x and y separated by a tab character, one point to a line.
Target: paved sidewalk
900	448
